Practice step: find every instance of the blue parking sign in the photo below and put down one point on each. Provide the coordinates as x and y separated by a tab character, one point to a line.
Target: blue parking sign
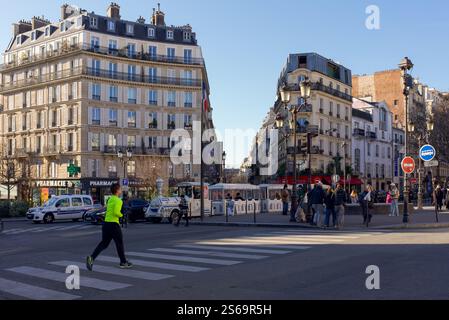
125	182
427	153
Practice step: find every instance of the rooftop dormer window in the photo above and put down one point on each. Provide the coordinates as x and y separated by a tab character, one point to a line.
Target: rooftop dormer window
130	29
111	25
33	36
151	32
47	31
187	36
94	22
63	26
170	35
19	40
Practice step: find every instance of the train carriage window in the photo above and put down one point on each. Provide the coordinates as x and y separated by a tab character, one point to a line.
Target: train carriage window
257	195
216	195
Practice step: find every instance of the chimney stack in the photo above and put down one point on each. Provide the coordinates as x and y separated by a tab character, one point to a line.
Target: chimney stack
141	20
37	23
21	27
113	11
158	18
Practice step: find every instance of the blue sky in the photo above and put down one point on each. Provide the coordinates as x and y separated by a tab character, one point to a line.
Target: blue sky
246	42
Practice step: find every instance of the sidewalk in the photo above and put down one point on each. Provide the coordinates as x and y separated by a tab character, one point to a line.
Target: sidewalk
418	220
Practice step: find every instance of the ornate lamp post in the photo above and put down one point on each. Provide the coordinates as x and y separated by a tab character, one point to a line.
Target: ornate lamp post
121	156
223	173
406	65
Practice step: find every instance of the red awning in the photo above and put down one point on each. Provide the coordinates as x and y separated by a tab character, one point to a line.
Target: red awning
353	182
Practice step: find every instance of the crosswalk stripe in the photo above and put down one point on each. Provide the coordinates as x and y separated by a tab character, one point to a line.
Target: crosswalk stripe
11	230
324	232
116	271
67	228
210	253
269	241
294	239
61	277
264	245
45	229
247	250
32	292
184	258
307	236
86	227
158	265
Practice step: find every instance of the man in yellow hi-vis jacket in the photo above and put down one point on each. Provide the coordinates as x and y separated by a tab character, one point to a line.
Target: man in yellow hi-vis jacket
112	230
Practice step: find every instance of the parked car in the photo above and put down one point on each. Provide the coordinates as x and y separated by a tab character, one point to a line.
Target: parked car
69	207
95	215
136	209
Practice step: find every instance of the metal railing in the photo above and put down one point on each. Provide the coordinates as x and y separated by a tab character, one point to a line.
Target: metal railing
123	53
99	73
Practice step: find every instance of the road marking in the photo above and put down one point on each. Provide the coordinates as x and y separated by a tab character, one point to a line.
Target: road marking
210	253
61	277
67	228
290	247
116	271
86	227
268	241
184	258
33	292
11	230
158	265
43	229
247	250
294	239
307	236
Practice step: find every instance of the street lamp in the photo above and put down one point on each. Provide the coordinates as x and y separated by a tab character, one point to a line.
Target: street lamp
305	88
405	66
121	156
223	174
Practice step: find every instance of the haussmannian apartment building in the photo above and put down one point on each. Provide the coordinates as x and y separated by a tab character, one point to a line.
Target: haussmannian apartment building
79	90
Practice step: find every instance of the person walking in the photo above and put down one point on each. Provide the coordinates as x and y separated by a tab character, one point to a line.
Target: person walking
438	198
340	204
111	230
329	201
285	197
183	211
394	198
316	200
229	205
365	200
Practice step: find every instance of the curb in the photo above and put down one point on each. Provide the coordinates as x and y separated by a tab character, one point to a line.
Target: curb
14	219
415	226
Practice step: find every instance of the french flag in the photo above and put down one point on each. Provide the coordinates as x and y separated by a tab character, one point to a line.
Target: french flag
205	98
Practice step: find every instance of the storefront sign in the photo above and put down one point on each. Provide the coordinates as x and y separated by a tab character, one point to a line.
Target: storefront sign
101	183
56	183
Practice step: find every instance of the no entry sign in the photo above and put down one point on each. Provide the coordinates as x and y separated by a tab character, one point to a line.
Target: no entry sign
408	165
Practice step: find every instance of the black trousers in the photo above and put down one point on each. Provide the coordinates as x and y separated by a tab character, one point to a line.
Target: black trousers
183	214
111	231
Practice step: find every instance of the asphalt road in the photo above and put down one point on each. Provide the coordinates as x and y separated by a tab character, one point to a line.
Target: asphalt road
224	263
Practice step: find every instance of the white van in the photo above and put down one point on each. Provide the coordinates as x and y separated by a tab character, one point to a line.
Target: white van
61	208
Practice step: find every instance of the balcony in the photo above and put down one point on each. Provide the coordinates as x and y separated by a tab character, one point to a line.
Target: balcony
123	53
316	150
157	151
90	72
96	122
111	149
23	153
132	125
171	104
113	99
113	123
321	87
70	148
132	101
371	135
152	125
53	150
188	126
359	133
152	103
96	97
188	104
171	126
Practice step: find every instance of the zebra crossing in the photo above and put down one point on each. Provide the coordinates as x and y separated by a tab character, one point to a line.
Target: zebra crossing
163	263
43	229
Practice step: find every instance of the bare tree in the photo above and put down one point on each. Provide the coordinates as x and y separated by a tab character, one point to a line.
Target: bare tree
10	175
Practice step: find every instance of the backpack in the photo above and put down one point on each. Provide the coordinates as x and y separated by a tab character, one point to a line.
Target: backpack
389	198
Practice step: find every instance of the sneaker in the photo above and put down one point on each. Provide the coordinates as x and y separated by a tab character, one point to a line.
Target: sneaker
126	265
89	263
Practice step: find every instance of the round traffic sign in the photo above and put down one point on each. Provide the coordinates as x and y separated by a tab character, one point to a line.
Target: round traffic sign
408	165
427	153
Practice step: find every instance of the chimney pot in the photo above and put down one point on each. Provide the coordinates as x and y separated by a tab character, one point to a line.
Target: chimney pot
113	11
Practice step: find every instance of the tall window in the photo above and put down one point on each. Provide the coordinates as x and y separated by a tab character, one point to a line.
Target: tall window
95	142
171	121
112	140
132	119
70	146
132	95
95	43
131	50
130	28
112	169
96	116
131	168
152	51
113	47
131	140
171	54
96	91
132	70
188	76
113	93
113	70
152	142
187	121
113	117
96	67
152	120
188	99
152	74
170	35
152	97
187	56
93	22
151	33
111	25
171	99
357	157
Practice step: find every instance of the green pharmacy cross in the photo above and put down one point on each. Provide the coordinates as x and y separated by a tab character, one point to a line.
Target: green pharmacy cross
73	170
